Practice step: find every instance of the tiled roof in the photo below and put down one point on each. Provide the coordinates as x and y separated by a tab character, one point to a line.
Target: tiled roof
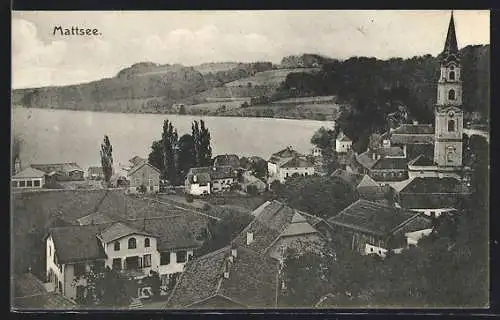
136	160
365	159
412	139
414	150
227	160
372	218
367	182
96	218
271	223
391	164
430	201
251	283
435	185
47	301
422	161
394	151
29	173
77	243
174	232
414	129
342	137
27	285
140	165
286	153
57	167
119	230
215	172
297	162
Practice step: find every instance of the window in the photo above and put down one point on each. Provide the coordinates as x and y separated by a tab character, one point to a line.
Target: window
147	261
60	286
29	183
117	245
164	258
117	264
50	251
452	75
79	269
451	94
433	214
132	243
36	183
146	243
449	156
451	125
181	256
14	184
371	249
22	184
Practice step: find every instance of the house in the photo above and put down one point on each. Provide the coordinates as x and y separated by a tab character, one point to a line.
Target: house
277	227
372	228
207	180
95	173
28	178
342	143
382	167
227	160
288	162
366	187
144	175
29	293
228	278
433	196
61	171
132	247
135	161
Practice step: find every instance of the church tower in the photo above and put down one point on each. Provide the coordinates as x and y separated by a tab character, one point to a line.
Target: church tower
448	110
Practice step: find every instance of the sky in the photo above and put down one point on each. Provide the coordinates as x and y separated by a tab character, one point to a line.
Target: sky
40	58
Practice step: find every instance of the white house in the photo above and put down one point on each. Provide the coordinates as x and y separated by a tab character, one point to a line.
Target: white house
286	163
28	178
207	180
134	248
343	143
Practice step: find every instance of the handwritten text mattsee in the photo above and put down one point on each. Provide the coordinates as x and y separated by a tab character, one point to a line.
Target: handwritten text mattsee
75	31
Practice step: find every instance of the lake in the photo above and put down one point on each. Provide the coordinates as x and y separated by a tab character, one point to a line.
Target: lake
54	136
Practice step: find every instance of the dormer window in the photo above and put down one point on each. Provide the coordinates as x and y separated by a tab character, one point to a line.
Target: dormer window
132	243
117	245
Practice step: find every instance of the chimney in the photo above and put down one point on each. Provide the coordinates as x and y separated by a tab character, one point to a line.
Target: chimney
249	238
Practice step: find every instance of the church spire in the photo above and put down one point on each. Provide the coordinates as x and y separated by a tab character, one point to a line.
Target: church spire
450	46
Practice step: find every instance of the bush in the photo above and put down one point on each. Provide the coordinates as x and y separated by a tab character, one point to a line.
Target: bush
189	198
252	190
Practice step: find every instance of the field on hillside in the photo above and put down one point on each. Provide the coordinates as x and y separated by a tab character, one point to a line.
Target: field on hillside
308	100
268	78
211	107
323	112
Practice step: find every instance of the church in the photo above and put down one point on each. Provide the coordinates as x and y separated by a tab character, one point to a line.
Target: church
425	150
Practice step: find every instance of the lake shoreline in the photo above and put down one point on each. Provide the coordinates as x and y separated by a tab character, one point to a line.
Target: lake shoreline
197	114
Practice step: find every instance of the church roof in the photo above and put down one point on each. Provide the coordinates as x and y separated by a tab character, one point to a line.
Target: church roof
450	46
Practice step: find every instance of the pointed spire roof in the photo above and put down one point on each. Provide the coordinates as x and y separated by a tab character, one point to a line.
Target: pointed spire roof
451	46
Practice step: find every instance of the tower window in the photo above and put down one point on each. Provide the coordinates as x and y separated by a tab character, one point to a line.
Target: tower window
452	75
451	125
451	94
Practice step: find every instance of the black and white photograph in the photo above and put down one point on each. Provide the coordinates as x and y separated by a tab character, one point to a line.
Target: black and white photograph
201	160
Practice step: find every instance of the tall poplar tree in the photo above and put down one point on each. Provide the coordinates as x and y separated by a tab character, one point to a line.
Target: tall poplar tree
169	142
205	149
107	159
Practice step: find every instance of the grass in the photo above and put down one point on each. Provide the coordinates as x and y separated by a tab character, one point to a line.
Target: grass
269	78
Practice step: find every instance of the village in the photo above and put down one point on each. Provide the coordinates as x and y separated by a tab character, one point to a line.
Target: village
225	231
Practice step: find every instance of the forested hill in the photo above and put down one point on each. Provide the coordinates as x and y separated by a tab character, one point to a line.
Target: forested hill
367	84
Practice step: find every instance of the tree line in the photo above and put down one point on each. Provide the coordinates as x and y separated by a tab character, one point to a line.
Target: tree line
174	156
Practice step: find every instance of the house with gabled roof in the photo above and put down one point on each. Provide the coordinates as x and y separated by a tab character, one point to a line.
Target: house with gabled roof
132	247
366	187
143	175
69	171
372	228
207	180
342	143
28	178
288	162
277	227
433	196
231	277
